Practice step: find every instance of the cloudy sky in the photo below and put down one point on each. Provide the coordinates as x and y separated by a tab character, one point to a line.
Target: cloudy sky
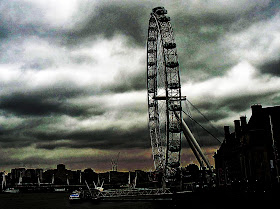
73	75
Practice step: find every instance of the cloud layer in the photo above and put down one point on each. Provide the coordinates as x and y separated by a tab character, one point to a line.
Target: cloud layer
73	75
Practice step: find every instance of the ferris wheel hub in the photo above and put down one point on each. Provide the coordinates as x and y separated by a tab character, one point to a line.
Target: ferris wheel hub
181	98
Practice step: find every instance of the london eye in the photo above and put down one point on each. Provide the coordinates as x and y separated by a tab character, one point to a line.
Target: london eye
164	98
164	93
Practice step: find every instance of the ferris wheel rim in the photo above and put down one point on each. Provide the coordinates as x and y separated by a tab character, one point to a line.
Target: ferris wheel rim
160	23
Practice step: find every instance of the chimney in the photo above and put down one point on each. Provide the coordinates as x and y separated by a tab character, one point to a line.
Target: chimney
237	128
256	109
227	133
243	123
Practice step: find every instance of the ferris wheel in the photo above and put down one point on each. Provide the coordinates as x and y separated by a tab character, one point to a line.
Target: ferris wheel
164	94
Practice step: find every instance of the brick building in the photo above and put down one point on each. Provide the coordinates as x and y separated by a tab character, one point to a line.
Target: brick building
249	155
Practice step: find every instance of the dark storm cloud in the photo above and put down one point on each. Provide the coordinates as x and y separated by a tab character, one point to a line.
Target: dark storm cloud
65	115
18	135
219	109
20	19
218	21
240	103
28	105
42	103
110	138
235	103
272	68
111	19
115	139
128	82
213	116
4	31
19	31
200	37
14	140
42	124
96	139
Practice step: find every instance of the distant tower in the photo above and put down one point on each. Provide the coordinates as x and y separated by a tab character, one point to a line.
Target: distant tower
129	179
80	179
98	180
53	179
4	181
135	180
60	167
20	178
39	183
